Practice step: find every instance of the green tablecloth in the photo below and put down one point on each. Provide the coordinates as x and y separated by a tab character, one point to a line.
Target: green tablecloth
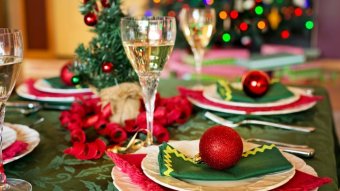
48	169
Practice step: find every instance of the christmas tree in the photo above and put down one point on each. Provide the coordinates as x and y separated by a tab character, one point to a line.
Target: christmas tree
102	63
250	23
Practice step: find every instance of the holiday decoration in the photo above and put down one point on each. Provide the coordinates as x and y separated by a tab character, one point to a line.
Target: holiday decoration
220	147
75	80
260	20
255	83
103	62
105	3
66	75
92	131
90	19
107	67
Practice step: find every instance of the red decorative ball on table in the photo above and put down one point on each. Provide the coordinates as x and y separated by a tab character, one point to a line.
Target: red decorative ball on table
90	19
107	67
255	83
220	147
66	75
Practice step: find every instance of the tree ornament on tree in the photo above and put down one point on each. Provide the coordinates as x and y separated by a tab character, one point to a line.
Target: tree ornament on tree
105	3
66	75
220	147
75	80
107	67
255	83
90	19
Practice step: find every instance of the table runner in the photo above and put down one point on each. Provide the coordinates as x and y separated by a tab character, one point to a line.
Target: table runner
47	168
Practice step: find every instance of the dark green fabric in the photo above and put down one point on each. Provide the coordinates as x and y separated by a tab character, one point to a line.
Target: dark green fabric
56	82
275	92
47	168
252	165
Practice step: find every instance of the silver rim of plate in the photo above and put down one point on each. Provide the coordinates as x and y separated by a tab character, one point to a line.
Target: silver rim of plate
44	86
9	136
27	135
210	94
123	182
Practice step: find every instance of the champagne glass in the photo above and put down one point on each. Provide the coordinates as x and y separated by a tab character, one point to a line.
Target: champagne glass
148	43
198	25
11	55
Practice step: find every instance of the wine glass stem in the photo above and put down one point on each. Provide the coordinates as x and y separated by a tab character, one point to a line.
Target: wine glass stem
198	56
149	85
3	179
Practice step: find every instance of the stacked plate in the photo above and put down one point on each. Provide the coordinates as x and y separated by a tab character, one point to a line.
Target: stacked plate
150	168
209	99
51	90
15	132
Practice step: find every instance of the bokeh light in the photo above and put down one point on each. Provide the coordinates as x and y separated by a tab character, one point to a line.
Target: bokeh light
309	25
285	34
243	26
261	25
234	14
259	10
226	37
223	15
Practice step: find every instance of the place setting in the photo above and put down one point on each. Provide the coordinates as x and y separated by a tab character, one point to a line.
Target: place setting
62	89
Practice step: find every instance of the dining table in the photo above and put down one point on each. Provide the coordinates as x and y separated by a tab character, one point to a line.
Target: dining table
48	168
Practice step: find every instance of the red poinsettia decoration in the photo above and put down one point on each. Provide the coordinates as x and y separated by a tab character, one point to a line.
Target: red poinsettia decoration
89	114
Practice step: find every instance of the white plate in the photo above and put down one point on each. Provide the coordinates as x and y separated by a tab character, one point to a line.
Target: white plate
44	86
8	137
210	93
23	92
123	182
274	112
27	135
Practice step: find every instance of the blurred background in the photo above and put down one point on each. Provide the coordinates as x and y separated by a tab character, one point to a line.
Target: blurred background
307	29
54	28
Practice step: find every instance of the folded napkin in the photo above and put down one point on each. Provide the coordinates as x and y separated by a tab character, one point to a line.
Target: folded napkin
300	181
197	95
130	165
275	92
56	82
33	91
16	148
259	161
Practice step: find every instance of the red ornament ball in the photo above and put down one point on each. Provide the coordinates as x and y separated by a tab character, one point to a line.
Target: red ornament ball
220	147
105	3
66	75
90	19
255	83
107	67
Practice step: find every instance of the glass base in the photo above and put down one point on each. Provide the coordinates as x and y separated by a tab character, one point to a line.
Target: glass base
16	185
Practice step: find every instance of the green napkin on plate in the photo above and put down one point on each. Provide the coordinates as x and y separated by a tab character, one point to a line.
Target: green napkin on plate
256	162
56	82
276	92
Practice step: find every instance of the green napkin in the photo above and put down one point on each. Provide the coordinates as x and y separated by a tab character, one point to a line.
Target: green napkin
56	82
276	92
256	162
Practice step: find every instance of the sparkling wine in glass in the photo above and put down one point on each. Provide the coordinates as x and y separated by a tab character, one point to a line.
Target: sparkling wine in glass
11	55
148	43
198	25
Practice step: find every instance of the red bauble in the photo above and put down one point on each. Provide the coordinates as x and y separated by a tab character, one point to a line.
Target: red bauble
90	19
220	147
105	3
107	67
255	83
66	75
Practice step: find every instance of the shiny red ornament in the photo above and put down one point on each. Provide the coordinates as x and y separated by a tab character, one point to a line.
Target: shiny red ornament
90	19
66	75
107	67
220	147
105	3
255	83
